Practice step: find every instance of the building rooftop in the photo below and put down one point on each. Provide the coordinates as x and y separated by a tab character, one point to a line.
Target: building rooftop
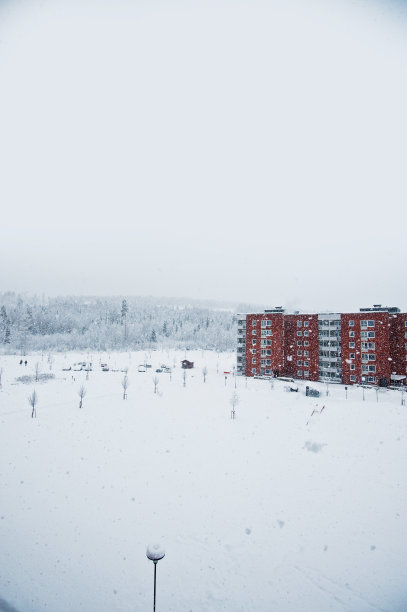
380	308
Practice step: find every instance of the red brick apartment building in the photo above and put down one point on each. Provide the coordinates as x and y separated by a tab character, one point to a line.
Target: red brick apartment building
365	347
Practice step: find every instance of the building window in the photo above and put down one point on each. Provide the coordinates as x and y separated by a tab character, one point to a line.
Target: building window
370	323
371	379
306	343
306	353
263	323
351	323
365	368
405	323
299	323
306	324
299	342
351	345
353	378
306	373
352	366
351	334
268	323
263	333
372	368
363	323
254	332
268	372
372	357
299	333
254	322
351	355
306	364
370	334
262	362
299	362
299	353
254	342
253	370
269	332
306	332
254	361
299	372
268	361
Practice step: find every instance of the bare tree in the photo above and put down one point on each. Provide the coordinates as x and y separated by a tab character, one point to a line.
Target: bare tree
81	393
50	361
1	376
125	384
33	400
156	380
184	378
37	371
234	400
204	373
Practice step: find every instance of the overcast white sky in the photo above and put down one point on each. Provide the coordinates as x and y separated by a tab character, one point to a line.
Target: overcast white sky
249	151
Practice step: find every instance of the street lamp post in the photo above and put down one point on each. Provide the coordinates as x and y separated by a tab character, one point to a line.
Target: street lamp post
155	553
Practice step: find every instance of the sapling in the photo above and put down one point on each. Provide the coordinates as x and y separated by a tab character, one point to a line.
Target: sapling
81	393
1	377
37	371
184	378
204	372
234	400
33	400
156	380
125	384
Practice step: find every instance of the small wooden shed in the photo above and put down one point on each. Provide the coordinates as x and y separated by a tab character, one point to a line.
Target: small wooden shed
187	365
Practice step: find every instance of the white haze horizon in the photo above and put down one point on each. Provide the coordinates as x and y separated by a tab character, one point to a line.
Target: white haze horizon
246	152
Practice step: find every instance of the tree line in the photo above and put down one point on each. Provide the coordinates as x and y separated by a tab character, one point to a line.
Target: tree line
112	323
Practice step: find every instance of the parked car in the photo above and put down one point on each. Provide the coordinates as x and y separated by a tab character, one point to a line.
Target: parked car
105	367
141	368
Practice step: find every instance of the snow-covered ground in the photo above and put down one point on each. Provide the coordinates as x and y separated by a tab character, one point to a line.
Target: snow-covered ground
261	513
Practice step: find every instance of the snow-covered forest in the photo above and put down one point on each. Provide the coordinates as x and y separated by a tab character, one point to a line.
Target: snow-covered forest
102	323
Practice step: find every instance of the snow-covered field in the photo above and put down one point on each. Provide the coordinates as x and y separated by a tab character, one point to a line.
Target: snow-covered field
262	513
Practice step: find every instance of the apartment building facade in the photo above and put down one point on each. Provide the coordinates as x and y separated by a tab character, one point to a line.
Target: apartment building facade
368	347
